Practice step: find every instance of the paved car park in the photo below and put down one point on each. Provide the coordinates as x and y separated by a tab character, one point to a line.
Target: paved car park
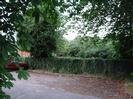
50	86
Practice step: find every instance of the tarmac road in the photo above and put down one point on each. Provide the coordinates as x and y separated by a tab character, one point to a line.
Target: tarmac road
32	89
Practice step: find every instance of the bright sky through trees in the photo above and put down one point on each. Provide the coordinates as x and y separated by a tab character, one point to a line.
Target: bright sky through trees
76	25
72	33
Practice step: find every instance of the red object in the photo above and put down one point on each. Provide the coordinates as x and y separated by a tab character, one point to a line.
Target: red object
13	66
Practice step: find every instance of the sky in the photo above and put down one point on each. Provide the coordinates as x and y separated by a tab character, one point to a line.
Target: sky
74	26
72	35
73	29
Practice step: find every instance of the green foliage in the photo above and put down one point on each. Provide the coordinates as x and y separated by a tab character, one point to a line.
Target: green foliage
22	74
116	16
12	20
11	15
24	30
44	43
62	46
42	34
113	68
91	47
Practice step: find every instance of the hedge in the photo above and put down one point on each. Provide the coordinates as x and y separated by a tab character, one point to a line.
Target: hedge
108	67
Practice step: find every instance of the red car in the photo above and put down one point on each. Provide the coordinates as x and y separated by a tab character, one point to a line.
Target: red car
15	65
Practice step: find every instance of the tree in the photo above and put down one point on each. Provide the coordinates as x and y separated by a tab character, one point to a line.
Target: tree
116	15
91	47
11	16
10	12
44	41
43	34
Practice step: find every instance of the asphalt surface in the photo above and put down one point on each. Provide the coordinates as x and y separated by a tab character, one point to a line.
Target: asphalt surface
32	89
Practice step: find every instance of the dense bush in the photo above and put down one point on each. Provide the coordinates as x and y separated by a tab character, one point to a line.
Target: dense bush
90	47
115	68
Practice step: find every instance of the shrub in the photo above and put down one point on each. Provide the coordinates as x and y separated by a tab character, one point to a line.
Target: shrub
116	68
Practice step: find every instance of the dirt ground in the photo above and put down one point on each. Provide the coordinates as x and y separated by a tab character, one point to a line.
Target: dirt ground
85	85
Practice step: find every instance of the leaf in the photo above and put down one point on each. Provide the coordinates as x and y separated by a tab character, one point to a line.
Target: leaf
4	53
4	96
20	18
29	12
8	84
36	14
22	74
84	2
35	2
9	75
10	33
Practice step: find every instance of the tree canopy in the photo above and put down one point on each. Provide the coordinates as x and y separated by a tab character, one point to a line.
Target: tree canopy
116	16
